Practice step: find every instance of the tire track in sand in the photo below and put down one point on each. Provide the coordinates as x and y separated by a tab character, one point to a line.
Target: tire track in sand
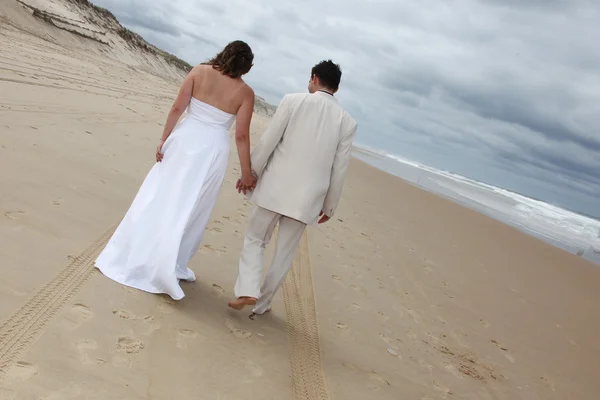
20	331
308	378
25	326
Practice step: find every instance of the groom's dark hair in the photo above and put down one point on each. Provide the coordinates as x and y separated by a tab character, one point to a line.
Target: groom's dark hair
329	74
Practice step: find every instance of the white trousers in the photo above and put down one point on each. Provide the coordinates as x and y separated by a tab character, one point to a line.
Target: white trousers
258	235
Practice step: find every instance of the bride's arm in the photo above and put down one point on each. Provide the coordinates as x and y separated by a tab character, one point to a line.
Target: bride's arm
179	106
242	132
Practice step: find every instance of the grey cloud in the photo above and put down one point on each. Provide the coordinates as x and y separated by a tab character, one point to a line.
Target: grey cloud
503	91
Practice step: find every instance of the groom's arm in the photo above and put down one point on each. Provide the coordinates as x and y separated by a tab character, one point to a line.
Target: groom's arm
271	137
338	172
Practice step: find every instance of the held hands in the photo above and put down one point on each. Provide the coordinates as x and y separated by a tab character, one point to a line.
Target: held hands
246	183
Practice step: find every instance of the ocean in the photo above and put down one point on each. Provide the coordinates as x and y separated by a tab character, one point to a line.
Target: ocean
575	233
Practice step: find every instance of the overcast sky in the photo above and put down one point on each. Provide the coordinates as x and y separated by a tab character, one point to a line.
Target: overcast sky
502	91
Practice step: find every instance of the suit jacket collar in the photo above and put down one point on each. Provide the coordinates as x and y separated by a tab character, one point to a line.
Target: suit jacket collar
325	95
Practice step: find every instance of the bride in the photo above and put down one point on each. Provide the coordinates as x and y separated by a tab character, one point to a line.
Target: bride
162	230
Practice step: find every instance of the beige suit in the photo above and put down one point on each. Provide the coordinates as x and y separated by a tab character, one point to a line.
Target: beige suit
301	161
302	157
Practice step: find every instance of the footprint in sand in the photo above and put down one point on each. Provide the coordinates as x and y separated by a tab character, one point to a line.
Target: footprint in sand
498	345
237	332
412	336
150	325
184	336
452	369
234	222
426	365
129	345
187	333
20	371
124	314
393	352
217	290
376	381
414	315
470	371
509	357
84	347
400	311
485	323
358	289
207	248
411	247
338	280
254	371
222	250
355	307
341	326
388	340
14	214
350	366
384	318
77	315
548	383
167	305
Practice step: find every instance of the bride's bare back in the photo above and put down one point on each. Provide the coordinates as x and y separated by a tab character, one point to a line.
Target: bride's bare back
221	91
219	83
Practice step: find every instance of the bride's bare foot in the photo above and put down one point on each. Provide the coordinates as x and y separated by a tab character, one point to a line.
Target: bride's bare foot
242	302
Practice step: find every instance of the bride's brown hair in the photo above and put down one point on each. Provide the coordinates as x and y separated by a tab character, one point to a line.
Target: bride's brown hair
234	60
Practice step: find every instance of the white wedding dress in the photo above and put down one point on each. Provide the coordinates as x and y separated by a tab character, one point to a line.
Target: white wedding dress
162	230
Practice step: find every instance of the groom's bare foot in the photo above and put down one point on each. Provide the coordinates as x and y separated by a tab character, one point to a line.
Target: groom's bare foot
242	302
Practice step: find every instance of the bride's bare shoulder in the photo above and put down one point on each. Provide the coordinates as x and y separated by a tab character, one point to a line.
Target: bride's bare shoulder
247	91
202	69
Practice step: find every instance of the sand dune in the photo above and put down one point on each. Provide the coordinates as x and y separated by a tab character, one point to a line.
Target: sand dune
402	295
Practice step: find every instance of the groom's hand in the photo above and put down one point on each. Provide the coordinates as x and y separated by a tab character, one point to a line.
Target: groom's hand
324	218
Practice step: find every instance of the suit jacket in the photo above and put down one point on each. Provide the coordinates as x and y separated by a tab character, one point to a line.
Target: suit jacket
302	157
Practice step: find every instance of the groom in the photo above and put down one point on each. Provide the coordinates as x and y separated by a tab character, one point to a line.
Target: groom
300	163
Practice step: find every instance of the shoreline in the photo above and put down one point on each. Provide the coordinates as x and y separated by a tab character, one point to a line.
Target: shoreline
516	231
589	254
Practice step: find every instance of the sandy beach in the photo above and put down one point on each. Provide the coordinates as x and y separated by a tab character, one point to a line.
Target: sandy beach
403	295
